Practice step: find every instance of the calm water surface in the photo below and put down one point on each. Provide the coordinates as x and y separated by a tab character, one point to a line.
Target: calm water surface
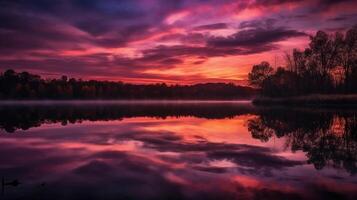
192	150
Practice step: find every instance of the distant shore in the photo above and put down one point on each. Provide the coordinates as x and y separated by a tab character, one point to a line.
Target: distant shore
310	100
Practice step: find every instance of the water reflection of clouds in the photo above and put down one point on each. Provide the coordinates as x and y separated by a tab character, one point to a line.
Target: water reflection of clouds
176	158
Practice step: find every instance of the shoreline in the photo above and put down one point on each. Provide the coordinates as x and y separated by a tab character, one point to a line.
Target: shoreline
309	100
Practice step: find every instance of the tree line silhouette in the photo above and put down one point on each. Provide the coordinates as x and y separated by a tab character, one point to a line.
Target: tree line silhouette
24	85
327	66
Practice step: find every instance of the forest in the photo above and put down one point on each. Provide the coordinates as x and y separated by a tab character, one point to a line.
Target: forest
24	85
327	66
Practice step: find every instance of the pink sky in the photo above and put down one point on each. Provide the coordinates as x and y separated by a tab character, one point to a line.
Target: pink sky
149	41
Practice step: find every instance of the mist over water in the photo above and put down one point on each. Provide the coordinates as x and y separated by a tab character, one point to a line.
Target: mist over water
176	150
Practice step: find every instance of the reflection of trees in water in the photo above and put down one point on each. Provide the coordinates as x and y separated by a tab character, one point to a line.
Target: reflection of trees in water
25	117
327	138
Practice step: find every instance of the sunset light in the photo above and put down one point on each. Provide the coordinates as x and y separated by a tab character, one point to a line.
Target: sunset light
178	99
150	41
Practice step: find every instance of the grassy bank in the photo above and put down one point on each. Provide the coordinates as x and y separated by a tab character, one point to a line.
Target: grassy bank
313	100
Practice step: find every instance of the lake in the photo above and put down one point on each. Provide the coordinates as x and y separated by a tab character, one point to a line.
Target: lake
176	150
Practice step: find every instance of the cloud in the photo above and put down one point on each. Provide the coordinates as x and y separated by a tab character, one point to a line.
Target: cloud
216	26
333	2
274	2
123	159
254	37
265	23
264	159
343	17
185	50
40	37
22	32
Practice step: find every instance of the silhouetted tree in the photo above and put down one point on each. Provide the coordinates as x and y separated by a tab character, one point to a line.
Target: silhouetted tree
314	70
28	86
260	73
348	58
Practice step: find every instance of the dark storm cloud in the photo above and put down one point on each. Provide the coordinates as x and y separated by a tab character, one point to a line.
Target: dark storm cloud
255	37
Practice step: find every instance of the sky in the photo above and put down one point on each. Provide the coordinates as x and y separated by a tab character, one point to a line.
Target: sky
155	41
